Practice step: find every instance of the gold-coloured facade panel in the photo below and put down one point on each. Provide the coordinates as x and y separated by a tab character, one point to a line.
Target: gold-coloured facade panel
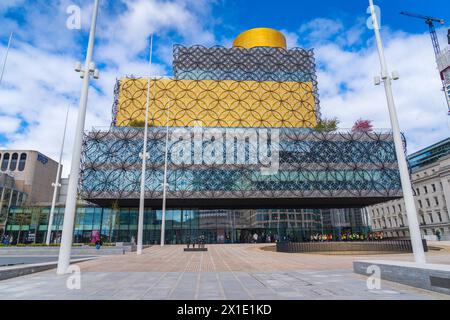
260	37
217	103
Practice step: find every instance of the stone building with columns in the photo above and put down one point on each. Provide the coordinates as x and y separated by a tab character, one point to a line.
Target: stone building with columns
430	175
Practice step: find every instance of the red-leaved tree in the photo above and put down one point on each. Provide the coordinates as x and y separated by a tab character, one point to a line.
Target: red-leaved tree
362	126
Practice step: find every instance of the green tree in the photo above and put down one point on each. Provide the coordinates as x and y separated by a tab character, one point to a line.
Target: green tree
114	220
22	219
138	123
327	125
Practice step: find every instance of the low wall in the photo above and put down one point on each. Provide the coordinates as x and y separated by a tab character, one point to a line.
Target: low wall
54	251
376	246
23	270
432	277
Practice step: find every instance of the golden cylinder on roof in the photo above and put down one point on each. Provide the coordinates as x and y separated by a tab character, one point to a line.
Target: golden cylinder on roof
260	37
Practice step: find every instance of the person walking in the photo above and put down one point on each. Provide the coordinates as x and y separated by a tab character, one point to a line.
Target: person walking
98	244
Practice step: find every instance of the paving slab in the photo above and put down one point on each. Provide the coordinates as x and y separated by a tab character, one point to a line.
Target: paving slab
242	272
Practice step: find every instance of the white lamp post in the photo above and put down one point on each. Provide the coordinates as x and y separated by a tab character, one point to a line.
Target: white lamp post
414	229
166	157
57	184
144	156
71	202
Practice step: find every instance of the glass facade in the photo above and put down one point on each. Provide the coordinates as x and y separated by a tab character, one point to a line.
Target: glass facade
429	155
9	197
218	226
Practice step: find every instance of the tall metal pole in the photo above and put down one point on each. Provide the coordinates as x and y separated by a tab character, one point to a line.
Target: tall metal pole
57	183
166	157
6	57
71	202
144	157
414	229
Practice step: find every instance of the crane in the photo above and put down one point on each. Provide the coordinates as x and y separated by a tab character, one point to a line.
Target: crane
437	49
430	22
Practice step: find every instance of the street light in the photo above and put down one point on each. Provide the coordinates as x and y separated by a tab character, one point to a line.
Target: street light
56	184
414	229
71	202
144	156
166	158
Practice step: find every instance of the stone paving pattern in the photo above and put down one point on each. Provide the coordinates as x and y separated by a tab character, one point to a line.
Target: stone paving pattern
234	272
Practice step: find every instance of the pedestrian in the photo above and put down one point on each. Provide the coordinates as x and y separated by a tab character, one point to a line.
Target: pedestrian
98	244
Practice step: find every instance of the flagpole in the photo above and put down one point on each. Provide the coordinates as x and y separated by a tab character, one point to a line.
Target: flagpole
144	157
414	229
6	57
166	158
57	183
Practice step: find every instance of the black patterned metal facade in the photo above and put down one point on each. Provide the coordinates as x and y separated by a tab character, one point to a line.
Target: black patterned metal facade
259	87
315	168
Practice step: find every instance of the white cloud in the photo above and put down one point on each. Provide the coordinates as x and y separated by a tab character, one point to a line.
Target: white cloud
9	124
321	29
346	72
8	4
40	82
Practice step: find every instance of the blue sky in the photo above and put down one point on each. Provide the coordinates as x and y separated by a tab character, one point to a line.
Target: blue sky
40	82
238	15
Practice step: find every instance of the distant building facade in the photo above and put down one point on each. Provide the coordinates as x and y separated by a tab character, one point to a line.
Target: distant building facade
32	171
10	197
25	179
430	173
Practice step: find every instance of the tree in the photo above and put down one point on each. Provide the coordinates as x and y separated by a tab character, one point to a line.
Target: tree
327	125
137	123
22	219
114	219
362	126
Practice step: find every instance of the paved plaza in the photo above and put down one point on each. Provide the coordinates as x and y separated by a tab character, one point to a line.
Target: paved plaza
234	272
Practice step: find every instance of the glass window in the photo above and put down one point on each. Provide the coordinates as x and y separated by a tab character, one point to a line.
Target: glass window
5	162
13	164
124	217
22	161
97	219
88	218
